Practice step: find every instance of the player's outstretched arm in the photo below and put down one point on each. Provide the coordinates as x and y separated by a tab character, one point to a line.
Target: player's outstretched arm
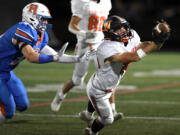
64	58
30	54
161	33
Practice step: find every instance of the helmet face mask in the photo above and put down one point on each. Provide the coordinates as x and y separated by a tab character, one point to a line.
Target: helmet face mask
36	14
116	28
43	23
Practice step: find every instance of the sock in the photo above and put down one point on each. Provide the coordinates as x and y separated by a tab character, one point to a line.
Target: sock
90	110
96	126
61	95
90	107
113	107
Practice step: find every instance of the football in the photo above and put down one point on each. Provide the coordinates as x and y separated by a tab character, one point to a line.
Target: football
162	28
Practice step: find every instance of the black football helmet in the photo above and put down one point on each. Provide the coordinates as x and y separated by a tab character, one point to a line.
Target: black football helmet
114	23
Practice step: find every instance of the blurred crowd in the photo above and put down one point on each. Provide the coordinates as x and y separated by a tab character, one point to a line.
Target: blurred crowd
137	10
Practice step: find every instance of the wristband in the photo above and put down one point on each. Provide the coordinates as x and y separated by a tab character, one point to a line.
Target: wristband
43	58
141	53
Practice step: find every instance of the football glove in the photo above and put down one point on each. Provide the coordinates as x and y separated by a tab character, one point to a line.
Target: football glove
61	52
160	32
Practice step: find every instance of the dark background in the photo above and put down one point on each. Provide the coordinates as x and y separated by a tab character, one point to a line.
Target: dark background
142	15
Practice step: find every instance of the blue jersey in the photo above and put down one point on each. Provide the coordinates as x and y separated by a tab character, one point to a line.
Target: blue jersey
10	54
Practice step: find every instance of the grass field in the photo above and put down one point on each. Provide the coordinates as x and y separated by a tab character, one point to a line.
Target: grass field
152	107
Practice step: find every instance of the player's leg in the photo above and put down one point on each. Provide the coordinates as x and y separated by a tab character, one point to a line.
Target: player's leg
100	102
105	115
117	115
87	115
79	74
19	92
7	105
112	102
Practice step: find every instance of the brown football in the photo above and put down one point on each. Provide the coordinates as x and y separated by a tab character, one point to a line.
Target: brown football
162	27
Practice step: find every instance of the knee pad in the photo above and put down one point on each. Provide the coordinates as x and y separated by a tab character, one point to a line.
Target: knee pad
106	121
77	80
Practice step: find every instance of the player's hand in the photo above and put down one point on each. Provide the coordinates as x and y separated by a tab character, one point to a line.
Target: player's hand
161	32
86	56
61	52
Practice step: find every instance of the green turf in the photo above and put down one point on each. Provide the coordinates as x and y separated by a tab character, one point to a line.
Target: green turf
154	112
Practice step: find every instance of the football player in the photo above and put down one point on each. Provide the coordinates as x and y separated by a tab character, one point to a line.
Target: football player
25	40
121	46
86	23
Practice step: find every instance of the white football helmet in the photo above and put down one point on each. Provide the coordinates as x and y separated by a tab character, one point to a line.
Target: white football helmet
34	14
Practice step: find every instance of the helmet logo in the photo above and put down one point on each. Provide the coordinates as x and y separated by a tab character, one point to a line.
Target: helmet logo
107	25
33	9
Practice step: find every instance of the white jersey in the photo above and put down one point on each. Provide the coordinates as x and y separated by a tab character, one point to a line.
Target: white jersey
92	16
108	76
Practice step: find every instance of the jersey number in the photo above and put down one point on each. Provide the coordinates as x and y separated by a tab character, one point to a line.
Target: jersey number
95	23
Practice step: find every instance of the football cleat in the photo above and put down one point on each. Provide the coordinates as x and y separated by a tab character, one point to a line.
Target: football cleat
87	131
57	101
118	116
83	116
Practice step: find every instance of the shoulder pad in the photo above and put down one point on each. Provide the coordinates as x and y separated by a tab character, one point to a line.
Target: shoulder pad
24	33
78	7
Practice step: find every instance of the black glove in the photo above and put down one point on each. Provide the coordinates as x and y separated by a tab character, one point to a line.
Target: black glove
160	38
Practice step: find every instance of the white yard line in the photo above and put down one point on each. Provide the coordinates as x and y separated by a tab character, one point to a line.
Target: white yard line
77	89
171	73
153	118
148	102
121	101
76	116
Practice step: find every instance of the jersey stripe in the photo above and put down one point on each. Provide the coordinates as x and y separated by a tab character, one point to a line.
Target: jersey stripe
3	111
24	34
23	37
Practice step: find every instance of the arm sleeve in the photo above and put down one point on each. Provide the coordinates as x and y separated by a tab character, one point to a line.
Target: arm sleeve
48	50
68	59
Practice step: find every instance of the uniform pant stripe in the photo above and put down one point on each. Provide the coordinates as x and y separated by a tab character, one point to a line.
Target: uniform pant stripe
2	109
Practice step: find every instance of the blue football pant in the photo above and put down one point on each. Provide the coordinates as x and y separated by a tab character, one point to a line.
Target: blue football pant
13	95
